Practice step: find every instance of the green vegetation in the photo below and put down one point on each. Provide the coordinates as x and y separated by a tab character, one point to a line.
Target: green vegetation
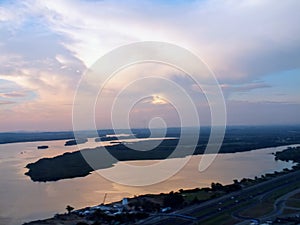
99	217
267	204
253	201
196	196
173	200
149	203
76	142
99	139
68	165
221	219
289	154
69	208
289	211
42	147
295	203
236	139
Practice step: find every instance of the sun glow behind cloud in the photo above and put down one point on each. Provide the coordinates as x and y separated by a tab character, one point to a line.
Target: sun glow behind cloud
157	100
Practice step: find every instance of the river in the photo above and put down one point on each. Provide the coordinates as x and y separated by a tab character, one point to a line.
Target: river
23	200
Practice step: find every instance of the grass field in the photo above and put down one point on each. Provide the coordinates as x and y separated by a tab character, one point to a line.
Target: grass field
200	195
222	219
266	206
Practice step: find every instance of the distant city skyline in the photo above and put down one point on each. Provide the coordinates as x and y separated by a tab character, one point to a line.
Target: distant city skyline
252	46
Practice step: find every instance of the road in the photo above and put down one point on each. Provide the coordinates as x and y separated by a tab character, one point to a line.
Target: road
229	202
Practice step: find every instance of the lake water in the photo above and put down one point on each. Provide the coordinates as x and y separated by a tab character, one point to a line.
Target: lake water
23	200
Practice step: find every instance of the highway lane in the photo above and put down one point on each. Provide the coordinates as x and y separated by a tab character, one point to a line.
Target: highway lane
278	204
232	200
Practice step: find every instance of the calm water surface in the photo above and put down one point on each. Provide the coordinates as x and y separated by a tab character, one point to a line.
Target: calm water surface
23	200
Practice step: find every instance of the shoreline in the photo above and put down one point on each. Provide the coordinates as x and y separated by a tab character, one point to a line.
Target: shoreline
90	192
75	165
175	199
118	211
35	136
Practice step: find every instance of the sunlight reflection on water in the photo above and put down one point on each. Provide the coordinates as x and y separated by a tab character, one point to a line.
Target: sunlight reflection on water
23	200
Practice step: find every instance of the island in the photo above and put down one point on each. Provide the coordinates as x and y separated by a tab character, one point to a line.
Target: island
76	141
72	164
99	139
237	139
42	147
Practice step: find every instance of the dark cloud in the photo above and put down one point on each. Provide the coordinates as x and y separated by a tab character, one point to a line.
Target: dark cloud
238	88
6	102
14	94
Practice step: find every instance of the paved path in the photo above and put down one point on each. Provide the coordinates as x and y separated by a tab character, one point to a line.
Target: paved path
280	181
279	206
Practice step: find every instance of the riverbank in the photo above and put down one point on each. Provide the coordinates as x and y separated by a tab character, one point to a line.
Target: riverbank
183	204
131	210
73	164
23	200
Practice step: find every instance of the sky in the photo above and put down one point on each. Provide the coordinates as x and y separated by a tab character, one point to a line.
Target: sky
252	47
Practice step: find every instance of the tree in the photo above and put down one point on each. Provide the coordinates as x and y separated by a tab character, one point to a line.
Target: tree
173	200
216	186
195	200
69	208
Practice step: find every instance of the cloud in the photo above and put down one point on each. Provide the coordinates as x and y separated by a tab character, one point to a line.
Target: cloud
239	40
229	89
42	96
262	113
6	102
244	87
155	100
45	47
14	94
9	14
